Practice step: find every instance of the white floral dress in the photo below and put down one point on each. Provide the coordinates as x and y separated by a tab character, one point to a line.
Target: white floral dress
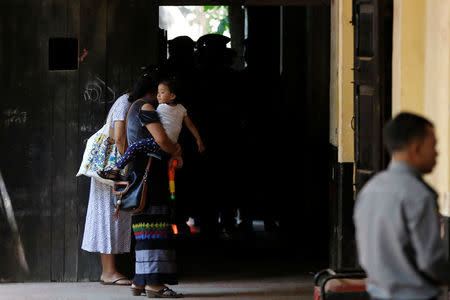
101	233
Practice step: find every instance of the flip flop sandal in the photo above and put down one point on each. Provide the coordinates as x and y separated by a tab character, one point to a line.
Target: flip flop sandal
115	282
135	291
163	293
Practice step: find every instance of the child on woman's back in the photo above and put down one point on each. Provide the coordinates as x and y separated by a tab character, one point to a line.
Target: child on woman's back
172	116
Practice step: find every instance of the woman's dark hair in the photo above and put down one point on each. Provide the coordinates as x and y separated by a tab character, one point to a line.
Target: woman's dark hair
171	84
404	129
147	83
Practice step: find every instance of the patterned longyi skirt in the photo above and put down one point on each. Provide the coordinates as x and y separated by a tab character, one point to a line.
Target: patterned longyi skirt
155	254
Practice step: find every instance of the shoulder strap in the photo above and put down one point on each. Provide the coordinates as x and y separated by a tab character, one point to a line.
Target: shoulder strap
126	122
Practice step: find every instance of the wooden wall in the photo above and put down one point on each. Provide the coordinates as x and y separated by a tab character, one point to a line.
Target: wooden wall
46	117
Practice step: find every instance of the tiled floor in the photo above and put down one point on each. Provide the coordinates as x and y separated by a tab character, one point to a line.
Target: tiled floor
292	287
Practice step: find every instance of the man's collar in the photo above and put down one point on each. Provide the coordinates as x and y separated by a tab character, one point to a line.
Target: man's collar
401	166
397	165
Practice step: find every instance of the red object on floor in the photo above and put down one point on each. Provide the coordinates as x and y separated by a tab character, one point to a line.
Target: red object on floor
342	287
345	286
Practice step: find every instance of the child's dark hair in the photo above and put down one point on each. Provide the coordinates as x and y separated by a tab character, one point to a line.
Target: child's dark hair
171	84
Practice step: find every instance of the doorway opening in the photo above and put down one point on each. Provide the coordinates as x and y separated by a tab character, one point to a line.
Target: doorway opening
194	21
277	88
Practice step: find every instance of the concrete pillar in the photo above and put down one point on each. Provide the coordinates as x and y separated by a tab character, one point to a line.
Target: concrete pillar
342	242
341	77
437	91
408	58
421	75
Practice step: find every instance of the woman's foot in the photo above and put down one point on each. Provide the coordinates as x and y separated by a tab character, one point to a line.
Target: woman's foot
112	174
114	279
137	290
161	291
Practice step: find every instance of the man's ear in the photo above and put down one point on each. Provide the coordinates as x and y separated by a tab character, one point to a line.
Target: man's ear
416	146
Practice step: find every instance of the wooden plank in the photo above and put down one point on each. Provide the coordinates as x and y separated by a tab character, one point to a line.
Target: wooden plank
91	114
126	55
26	125
55	13
121	48
145	21
7	260
373	55
122	52
41	147
12	224
72	149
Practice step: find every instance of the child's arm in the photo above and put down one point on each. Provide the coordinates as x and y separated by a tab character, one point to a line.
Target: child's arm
190	125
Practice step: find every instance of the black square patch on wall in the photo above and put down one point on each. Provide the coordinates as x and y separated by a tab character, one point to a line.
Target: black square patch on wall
62	54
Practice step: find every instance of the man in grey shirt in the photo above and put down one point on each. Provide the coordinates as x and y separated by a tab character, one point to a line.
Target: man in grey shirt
397	219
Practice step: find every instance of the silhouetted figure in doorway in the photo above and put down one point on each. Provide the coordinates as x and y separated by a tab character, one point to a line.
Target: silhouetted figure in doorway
260	96
214	110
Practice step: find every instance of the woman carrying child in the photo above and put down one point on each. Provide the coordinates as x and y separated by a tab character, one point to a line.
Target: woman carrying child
155	254
172	115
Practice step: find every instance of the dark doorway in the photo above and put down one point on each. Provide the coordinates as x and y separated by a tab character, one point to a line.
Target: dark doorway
293	62
282	179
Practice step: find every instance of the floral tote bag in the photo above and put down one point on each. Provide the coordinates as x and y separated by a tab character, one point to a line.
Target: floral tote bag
101	152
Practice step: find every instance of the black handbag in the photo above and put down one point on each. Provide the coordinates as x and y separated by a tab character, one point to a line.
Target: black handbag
131	196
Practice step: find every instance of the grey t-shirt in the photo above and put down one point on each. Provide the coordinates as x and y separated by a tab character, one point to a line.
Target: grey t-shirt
398	235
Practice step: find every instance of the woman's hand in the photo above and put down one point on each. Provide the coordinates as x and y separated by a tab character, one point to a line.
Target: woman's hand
179	160
178	150
177	156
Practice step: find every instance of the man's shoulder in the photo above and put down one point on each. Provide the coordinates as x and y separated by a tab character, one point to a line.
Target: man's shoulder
382	192
379	179
396	182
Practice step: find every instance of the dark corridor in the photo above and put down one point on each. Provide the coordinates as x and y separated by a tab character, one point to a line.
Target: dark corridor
291	63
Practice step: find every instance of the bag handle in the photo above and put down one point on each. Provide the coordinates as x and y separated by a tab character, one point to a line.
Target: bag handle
121	183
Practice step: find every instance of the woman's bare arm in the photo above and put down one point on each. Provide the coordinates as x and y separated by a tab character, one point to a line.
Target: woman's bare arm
160	136
120	136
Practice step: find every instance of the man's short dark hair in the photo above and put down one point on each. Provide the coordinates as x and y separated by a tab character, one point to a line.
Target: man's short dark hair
404	129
